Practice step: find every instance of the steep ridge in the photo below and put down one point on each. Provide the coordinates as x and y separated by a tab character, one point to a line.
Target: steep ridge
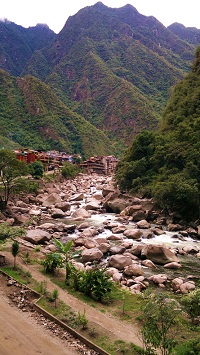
33	116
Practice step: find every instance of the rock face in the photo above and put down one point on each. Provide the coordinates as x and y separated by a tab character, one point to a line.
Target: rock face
159	254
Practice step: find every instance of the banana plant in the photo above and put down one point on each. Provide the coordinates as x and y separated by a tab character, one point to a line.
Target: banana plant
65	249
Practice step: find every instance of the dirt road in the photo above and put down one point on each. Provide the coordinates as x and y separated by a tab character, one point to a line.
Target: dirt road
21	335
109	325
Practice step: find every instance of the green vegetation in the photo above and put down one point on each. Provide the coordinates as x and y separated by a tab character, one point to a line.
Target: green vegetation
7	231
52	262
160	324
112	70
165	164
69	170
36	169
15	251
11	171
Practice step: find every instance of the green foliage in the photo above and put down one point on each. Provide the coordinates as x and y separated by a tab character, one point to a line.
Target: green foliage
69	170
191	303
15	251
83	320
52	262
36	169
190	347
165	164
7	231
54	296
96	284
160	324
11	170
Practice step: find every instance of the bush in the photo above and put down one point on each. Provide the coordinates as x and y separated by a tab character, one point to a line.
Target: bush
96	284
190	347
191	303
52	261
7	231
36	169
69	170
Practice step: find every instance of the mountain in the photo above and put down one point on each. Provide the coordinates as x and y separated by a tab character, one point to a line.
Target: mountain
17	44
32	116
114	67
165	164
188	34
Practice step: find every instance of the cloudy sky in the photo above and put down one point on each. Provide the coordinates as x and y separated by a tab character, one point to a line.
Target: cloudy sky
54	13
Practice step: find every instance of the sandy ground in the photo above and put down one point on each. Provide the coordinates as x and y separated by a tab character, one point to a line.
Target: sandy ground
14	324
21	335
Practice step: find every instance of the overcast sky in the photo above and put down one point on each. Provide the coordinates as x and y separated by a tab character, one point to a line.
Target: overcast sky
55	13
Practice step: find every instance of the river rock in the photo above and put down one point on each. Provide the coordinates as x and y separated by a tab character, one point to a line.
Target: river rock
51	200
77	197
133	233
173	265
149	263
104	247
158	279
117	249
191	249
133	270
93	204
119	261
116	202
81	213
159	254
64	206
93	254
118	229
143	224
57	213
37	236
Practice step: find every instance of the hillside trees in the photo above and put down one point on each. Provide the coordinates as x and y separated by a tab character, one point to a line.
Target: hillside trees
165	164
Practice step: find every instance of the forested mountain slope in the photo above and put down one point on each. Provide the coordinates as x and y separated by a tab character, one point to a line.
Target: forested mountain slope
166	164
33	116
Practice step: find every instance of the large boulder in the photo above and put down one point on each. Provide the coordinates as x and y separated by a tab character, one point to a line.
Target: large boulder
81	213
159	254
51	200
116	202
93	254
37	236
133	270
57	213
119	261
133	233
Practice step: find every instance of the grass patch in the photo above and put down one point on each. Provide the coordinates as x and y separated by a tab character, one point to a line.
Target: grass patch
18	274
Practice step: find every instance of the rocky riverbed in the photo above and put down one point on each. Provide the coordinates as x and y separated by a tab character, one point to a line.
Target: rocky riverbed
138	245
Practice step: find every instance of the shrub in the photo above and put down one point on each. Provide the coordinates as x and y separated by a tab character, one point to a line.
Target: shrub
69	170
96	284
36	169
52	262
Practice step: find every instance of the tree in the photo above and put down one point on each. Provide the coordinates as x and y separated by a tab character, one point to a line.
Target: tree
69	170
36	169
11	169
160	318
15	251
